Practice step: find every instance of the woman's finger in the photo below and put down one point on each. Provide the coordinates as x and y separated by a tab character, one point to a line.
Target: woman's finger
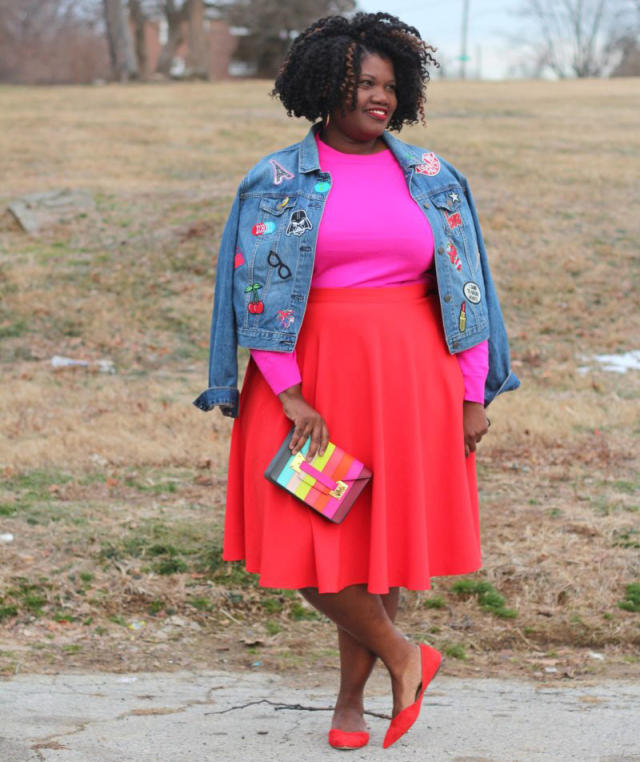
316	440
325	438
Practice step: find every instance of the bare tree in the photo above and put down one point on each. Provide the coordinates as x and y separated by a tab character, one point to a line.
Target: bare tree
176	15
51	41
625	42
197	42
138	17
271	25
123	57
571	35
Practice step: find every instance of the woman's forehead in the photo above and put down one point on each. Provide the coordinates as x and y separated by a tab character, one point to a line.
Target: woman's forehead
372	63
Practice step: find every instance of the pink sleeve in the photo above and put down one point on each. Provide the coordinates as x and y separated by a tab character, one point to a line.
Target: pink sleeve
280	369
474	364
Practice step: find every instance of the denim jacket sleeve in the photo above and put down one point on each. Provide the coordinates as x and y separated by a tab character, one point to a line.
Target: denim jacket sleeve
500	377
223	359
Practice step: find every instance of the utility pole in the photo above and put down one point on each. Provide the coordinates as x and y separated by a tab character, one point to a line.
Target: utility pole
463	40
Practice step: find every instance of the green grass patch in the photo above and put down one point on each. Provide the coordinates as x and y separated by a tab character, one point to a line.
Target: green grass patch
272	605
626	538
170	566
272	627
300	613
6	612
631	600
24	597
455	651
438	602
488	597
202	604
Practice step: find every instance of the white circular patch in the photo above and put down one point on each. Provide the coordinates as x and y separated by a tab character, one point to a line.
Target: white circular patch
430	164
472	292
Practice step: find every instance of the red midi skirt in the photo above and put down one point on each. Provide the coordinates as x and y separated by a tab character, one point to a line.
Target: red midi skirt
374	363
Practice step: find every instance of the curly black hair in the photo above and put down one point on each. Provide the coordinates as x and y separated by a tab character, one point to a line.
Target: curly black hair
321	71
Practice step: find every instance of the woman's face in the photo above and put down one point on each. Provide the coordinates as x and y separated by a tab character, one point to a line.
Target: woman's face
376	101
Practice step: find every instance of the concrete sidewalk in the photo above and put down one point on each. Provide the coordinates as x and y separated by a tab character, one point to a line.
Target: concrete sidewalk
177	717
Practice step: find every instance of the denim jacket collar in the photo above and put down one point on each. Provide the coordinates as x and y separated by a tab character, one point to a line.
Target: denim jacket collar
310	162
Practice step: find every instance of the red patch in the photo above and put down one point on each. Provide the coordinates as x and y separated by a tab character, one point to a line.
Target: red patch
238	259
454	220
453	256
430	164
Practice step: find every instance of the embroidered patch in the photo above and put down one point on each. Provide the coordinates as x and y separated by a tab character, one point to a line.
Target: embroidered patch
255	306
286	317
263	227
462	321
274	260
284	202
453	255
321	187
454	220
454	197
430	164
279	172
298	223
238	260
472	291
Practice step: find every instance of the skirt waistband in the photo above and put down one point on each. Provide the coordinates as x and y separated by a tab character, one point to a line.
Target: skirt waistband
381	294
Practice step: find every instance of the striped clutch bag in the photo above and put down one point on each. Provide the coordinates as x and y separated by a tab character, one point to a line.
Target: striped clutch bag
328	484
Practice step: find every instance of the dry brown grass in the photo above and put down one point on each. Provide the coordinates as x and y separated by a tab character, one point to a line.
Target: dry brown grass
107	475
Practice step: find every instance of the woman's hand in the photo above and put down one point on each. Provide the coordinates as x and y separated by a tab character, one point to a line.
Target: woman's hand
475	424
307	421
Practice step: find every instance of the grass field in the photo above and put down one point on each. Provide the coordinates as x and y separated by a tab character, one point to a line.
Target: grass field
113	484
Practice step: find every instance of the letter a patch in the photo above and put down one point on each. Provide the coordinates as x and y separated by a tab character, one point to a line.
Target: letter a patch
279	172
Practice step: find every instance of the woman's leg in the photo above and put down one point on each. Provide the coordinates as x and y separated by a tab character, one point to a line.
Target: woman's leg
365	618
356	665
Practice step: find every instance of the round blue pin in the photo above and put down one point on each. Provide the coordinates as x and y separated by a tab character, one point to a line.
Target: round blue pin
321	187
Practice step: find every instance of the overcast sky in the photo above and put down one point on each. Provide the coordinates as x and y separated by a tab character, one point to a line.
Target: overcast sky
491	22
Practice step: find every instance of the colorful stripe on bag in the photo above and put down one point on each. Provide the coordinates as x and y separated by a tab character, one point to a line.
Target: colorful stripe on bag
336	464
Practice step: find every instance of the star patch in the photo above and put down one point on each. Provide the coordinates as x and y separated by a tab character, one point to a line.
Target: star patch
279	172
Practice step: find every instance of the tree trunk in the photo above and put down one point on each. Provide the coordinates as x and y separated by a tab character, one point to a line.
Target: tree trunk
140	38
175	37
197	47
123	58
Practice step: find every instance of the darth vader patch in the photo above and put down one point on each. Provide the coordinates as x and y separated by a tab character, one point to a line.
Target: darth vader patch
298	223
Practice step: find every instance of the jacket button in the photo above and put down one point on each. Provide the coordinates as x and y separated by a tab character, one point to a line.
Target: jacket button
440	249
447	297
426	205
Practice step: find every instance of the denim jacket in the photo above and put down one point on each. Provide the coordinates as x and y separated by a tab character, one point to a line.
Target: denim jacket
266	257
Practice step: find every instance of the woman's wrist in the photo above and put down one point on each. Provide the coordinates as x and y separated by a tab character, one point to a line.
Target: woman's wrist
292	392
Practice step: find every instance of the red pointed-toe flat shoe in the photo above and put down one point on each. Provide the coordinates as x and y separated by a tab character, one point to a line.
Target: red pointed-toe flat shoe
342	739
431	660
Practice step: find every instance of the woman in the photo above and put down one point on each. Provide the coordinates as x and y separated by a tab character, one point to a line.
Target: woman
353	267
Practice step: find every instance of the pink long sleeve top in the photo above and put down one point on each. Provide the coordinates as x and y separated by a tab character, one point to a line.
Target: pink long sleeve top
372	235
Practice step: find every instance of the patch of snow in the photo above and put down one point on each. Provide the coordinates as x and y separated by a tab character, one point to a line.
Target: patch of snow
619	363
